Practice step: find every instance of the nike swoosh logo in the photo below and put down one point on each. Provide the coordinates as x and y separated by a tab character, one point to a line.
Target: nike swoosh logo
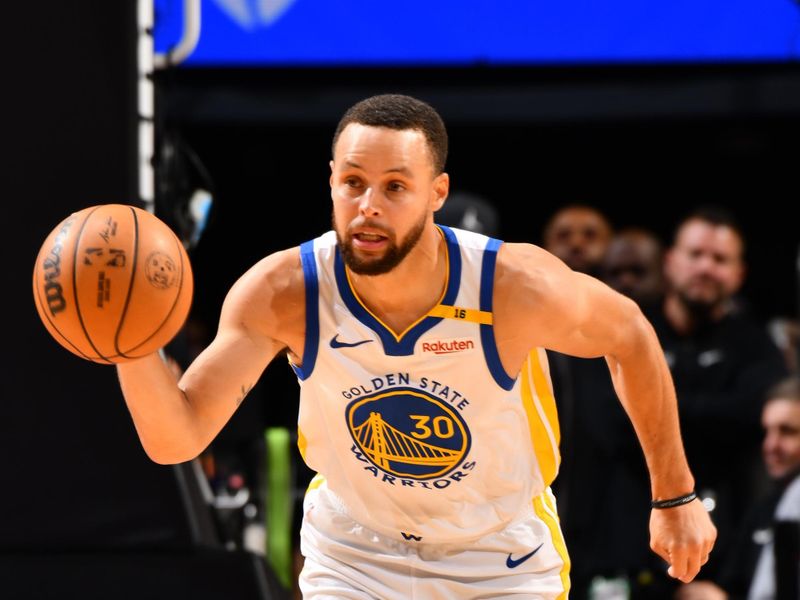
511	563
335	343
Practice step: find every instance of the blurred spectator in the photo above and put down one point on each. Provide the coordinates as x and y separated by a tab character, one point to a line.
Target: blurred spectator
579	235
633	265
722	362
469	211
785	333
750	569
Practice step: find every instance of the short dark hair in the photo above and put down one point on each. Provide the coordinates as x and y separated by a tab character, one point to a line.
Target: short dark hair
786	389
716	215
400	112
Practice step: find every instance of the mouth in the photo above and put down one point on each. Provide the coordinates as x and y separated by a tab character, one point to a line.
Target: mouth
703	287
369	240
774	464
703	281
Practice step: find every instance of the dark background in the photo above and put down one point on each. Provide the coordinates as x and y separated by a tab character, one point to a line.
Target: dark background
643	143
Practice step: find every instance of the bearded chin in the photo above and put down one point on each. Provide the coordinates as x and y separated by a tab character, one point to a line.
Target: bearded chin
702	311
378	265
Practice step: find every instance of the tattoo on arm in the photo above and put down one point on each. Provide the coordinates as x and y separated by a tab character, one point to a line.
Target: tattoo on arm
244	392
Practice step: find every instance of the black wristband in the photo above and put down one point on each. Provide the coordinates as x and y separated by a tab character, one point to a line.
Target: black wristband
673	502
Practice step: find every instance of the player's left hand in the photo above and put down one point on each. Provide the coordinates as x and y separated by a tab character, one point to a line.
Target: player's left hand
683	536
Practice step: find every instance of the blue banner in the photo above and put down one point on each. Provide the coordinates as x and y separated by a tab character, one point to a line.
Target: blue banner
490	32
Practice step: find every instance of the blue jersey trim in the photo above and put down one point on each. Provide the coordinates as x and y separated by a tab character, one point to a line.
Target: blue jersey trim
454	255
487	331
405	345
312	311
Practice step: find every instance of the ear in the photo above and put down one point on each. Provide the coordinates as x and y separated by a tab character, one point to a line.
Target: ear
330	179
441	188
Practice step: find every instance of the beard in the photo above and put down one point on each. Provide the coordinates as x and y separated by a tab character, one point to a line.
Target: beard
703	309
701	312
393	256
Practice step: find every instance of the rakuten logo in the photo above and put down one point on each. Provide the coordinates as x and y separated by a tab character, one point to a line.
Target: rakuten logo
448	346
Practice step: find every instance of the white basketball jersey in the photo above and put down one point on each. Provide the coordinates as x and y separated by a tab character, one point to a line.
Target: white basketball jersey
422	434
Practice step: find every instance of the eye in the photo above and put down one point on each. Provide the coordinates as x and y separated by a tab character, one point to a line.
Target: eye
563	234
395	186
722	259
352	181
591	234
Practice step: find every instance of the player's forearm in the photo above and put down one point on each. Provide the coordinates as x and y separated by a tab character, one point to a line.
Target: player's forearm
644	385
162	414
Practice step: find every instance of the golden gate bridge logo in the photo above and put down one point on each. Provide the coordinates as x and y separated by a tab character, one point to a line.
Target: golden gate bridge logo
408	433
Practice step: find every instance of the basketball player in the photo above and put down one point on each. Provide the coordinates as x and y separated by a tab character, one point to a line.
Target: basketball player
425	405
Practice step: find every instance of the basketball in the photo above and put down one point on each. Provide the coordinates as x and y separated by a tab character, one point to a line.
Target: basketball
112	283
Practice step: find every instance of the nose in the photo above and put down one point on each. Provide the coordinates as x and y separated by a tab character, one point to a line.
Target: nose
368	205
705	263
770	443
574	240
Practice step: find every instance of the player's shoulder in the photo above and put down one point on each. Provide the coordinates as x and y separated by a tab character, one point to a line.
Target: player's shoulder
273	283
268	300
529	268
531	283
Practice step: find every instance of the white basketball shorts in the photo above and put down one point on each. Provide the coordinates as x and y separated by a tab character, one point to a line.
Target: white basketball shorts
344	559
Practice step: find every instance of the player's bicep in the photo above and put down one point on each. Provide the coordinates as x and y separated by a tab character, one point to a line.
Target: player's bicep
540	302
593	320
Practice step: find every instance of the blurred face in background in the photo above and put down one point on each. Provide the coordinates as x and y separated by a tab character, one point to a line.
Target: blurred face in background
705	267
579	236
781	448
633	266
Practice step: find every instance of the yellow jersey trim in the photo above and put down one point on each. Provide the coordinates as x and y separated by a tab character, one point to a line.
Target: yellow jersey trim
539	405
543	506
316	481
461	314
302	443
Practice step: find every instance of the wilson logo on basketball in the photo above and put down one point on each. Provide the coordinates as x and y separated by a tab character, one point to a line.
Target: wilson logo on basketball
51	267
448	346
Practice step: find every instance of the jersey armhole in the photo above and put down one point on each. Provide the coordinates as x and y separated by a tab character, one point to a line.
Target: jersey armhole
311	344
488	342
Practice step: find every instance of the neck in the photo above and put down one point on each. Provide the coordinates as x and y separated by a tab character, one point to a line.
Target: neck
411	289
